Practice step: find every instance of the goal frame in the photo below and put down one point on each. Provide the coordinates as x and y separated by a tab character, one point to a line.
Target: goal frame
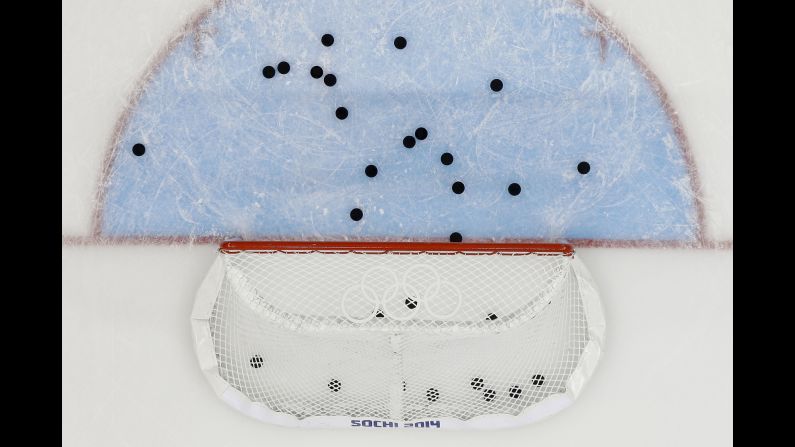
207	295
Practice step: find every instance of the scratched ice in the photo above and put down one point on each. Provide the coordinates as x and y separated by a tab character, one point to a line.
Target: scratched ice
229	152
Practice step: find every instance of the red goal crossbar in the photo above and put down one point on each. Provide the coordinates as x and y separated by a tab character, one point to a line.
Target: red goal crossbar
232	247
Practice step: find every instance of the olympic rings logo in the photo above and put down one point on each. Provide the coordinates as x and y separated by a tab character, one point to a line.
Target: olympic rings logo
388	298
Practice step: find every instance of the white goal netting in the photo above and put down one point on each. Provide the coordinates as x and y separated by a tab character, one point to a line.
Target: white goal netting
399	337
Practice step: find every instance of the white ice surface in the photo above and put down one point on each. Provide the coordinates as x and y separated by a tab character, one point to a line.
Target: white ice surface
130	376
107	46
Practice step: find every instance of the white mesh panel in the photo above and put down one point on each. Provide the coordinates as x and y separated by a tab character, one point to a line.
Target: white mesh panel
398	336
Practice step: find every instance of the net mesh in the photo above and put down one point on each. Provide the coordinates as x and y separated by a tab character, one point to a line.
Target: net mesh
398	336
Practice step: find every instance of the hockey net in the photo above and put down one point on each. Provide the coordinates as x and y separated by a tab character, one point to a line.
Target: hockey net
337	333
